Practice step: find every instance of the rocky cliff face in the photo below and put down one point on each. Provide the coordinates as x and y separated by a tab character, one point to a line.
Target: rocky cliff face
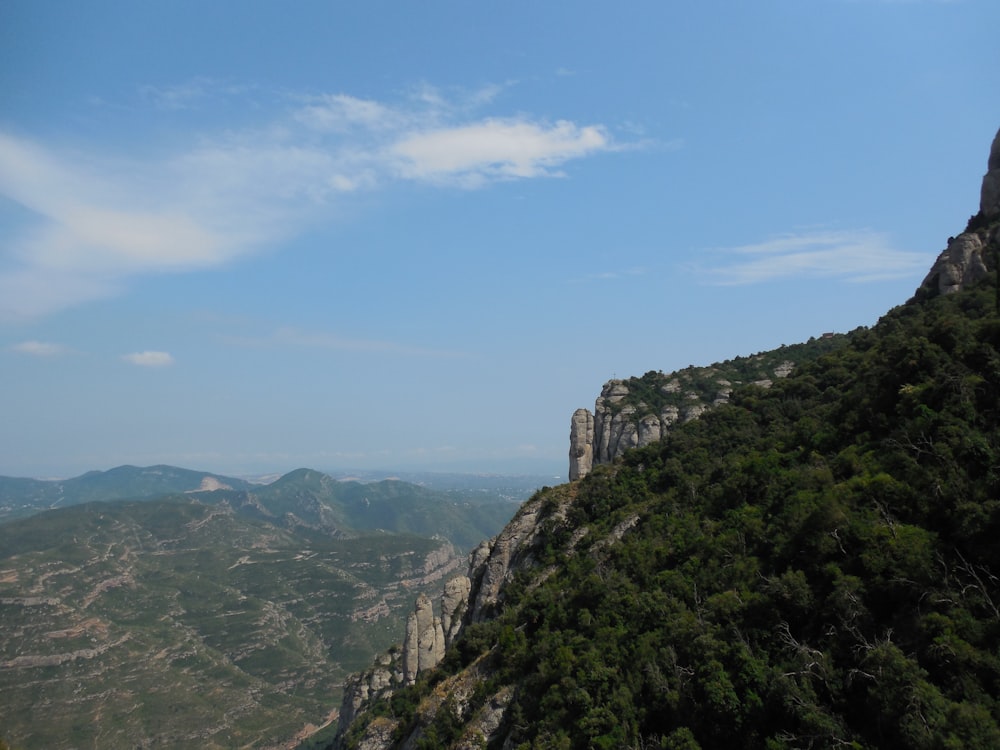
634	413
989	197
962	263
466	598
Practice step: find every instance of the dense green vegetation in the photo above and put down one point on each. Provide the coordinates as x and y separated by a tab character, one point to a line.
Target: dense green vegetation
651	392
810	566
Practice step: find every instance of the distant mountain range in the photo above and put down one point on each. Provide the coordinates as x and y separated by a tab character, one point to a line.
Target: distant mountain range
21	497
470	510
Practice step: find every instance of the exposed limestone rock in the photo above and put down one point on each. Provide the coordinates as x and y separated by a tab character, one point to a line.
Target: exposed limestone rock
959	265
423	646
693	411
581	444
364	686
962	262
650	430
723	395
622	432
615	427
603	415
989	200
511	548
482	729
479	556
784	369
378	735
454	601
411	649
614	391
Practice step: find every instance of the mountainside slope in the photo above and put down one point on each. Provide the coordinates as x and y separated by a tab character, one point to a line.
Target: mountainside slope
175	623
807	566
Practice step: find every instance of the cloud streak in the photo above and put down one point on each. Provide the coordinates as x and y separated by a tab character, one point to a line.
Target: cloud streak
472	155
98	221
39	348
853	256
149	359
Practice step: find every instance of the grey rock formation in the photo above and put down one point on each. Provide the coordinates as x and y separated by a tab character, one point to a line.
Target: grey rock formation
453	605
423	646
989	199
378	735
484	725
506	552
613	428
960	264
581	444
362	687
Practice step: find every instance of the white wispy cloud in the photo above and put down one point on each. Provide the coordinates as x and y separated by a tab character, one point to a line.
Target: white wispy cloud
472	155
149	359
854	256
102	218
39	348
341	112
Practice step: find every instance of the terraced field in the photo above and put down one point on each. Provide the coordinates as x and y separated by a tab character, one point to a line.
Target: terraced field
173	623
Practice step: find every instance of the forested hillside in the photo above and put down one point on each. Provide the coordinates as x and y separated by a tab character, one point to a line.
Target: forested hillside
810	566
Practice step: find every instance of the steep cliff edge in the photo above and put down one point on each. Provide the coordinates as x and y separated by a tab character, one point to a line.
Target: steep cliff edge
636	412
809	563
467	599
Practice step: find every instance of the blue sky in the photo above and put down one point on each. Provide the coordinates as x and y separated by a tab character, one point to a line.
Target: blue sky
252	236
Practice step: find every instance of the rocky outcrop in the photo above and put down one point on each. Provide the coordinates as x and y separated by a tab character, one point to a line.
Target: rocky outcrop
360	688
964	260
581	443
619	422
465	599
495	561
423	646
454	602
989	197
960	264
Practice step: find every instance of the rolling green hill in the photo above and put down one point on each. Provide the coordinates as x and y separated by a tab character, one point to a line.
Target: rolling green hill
314	498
